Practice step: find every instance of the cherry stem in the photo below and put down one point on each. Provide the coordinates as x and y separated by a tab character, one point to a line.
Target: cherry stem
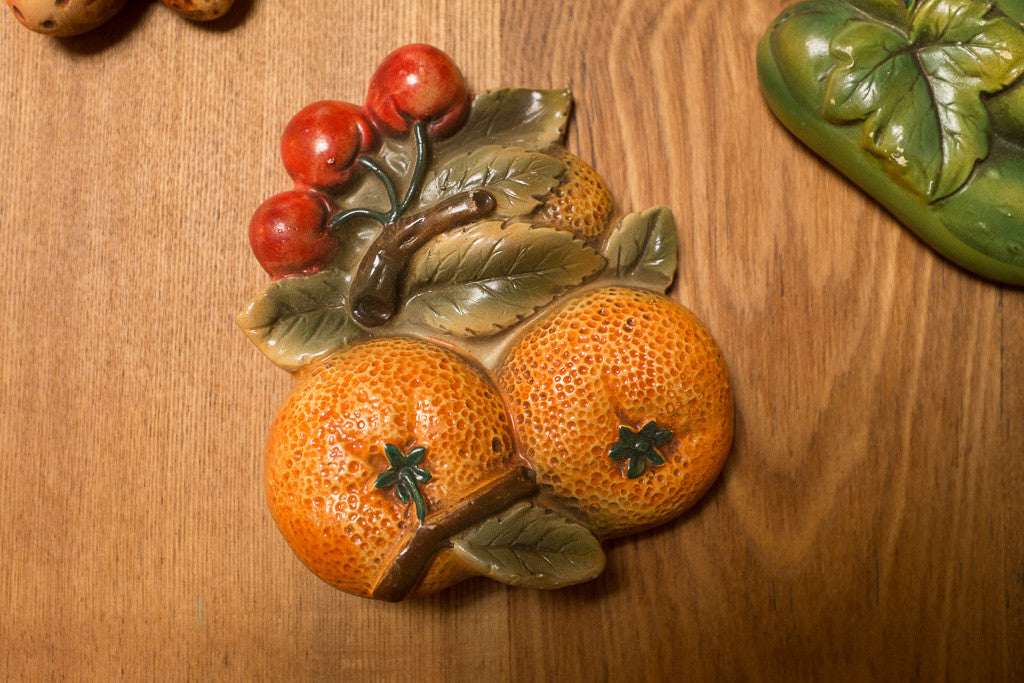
354	213
419	130
374	290
385	179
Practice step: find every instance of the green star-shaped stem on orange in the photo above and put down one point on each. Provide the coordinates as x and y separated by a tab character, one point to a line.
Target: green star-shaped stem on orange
638	447
405	475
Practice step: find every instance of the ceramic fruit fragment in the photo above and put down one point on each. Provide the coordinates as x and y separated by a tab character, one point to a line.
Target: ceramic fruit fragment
581	204
64	17
200	10
916	102
489	377
321	145
418	83
74	17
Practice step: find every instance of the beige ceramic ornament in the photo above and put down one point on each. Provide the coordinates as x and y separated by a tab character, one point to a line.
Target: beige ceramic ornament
200	10
74	17
64	17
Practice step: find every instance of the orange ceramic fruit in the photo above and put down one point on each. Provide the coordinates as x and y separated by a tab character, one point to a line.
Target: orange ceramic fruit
374	454
581	203
622	404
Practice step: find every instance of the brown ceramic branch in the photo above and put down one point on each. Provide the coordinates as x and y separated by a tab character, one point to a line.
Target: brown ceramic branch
404	570
374	290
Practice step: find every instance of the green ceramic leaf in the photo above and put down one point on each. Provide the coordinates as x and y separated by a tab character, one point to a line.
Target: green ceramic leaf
894	11
479	279
518	179
918	94
988	214
978	225
354	238
299	319
799	42
641	249
1013	8
513	117
531	547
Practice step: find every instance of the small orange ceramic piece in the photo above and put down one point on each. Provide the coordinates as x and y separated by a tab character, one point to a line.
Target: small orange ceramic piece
347	423
581	204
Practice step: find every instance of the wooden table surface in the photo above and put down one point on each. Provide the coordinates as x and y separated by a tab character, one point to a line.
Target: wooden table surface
867	526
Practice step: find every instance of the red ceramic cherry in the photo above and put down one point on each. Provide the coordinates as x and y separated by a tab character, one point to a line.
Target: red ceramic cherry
418	83
321	144
287	233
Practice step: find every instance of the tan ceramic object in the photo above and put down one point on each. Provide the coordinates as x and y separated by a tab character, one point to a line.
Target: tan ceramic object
64	17
200	10
74	17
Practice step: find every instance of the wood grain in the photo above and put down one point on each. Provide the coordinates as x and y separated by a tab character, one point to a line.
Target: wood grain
866	527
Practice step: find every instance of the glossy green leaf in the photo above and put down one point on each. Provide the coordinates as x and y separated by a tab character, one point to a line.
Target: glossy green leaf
979	226
354	238
1013	8
798	41
531	547
892	11
512	117
517	179
919	93
641	249
987	214
482	278
299	319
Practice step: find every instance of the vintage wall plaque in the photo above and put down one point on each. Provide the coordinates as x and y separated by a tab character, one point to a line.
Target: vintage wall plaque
489	378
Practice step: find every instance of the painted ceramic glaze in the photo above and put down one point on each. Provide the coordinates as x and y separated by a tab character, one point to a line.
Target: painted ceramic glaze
74	17
489	378
919	102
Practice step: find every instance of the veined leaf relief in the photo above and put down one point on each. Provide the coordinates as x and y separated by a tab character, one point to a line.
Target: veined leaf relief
517	179
296	320
512	117
482	278
918	92
531	547
641	249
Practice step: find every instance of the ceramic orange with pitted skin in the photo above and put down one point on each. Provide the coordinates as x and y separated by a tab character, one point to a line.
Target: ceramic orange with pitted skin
623	406
366	431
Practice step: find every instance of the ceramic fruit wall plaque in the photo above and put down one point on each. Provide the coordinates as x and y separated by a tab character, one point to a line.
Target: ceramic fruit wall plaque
489	378
919	102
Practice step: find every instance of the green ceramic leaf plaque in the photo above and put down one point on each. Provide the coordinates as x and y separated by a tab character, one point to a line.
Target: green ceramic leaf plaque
919	103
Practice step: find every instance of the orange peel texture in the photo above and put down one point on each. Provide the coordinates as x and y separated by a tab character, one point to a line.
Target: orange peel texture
581	204
617	357
326	451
